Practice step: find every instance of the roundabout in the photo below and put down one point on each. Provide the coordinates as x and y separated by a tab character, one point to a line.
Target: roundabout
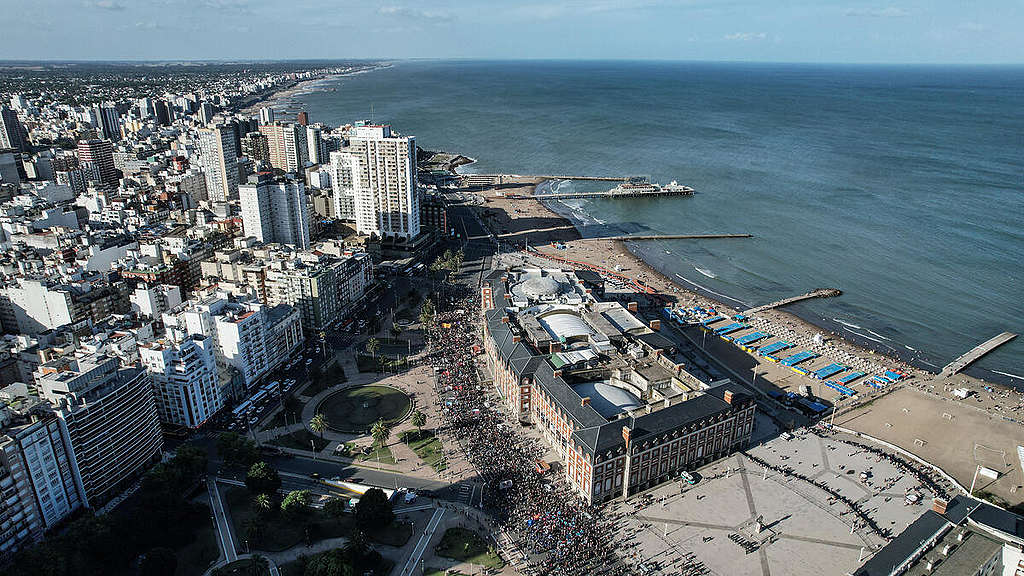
355	409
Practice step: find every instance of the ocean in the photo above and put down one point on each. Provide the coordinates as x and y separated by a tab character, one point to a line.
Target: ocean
903	186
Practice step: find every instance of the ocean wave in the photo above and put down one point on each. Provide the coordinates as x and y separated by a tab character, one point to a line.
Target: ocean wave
705	272
1009	375
879	335
848	324
709	291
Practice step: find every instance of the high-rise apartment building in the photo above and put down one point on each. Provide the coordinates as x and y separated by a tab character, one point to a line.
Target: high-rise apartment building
12	134
343	167
315	145
110	419
322	287
256	147
387	201
109	121
219	162
100	155
205	113
164	112
185	379
246	335
287	146
37	477
275	210
266	115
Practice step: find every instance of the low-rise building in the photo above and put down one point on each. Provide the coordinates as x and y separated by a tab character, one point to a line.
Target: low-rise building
620	420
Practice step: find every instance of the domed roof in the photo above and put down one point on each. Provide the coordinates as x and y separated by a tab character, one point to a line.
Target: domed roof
540	287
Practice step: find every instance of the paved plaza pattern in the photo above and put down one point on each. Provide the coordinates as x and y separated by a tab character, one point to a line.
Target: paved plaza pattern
712	527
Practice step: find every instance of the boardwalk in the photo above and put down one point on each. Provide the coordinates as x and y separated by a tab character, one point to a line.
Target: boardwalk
819	293
976	353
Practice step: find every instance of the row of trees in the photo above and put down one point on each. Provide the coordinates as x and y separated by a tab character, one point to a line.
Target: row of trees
148	527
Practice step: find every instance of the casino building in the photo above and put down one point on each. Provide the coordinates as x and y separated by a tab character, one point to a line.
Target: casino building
608	393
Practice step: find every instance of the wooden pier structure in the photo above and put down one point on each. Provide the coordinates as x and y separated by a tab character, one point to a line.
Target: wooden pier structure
672	237
819	293
975	354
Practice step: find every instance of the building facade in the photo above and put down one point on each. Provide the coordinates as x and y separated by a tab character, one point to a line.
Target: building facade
185	379
217	147
616	414
275	210
100	155
110	419
386	199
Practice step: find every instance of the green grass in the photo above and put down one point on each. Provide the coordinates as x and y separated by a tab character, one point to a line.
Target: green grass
280	532
441	572
383	451
428	447
300	440
197	556
467	546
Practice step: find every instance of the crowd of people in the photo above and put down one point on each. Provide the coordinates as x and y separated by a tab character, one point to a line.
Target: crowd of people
555	531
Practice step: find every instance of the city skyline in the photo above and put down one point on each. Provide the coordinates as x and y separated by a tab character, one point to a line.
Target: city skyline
833	32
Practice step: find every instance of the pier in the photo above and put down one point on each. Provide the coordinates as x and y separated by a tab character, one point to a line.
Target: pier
677	191
819	293
672	237
974	354
474	180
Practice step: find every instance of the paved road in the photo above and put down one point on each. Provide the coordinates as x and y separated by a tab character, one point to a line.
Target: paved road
225	537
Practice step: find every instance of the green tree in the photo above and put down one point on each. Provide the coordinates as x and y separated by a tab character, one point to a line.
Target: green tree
419	420
263	504
427	314
381	432
335	507
318	423
372	346
373	511
237	450
296	504
262	479
158	562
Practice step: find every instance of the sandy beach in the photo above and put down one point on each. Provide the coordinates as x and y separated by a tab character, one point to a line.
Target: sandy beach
516	218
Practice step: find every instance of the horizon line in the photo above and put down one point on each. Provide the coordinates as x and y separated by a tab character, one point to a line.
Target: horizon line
127	61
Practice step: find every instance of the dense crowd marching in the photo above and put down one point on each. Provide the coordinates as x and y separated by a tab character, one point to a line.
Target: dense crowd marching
557	532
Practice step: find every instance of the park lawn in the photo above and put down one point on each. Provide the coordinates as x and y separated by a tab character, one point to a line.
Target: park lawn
428	447
300	440
382	451
196	557
281	533
467	546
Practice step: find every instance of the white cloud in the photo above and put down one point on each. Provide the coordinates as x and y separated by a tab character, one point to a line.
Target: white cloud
745	36
886	12
104	4
407	12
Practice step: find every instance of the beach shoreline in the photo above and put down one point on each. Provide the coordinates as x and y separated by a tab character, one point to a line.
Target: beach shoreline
294	89
516	218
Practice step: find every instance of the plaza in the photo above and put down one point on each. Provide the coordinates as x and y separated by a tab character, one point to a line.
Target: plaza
355	409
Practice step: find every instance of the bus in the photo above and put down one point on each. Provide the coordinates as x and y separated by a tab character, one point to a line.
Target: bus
259	397
241	409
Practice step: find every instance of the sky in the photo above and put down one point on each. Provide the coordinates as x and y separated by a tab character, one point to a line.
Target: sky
919	31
